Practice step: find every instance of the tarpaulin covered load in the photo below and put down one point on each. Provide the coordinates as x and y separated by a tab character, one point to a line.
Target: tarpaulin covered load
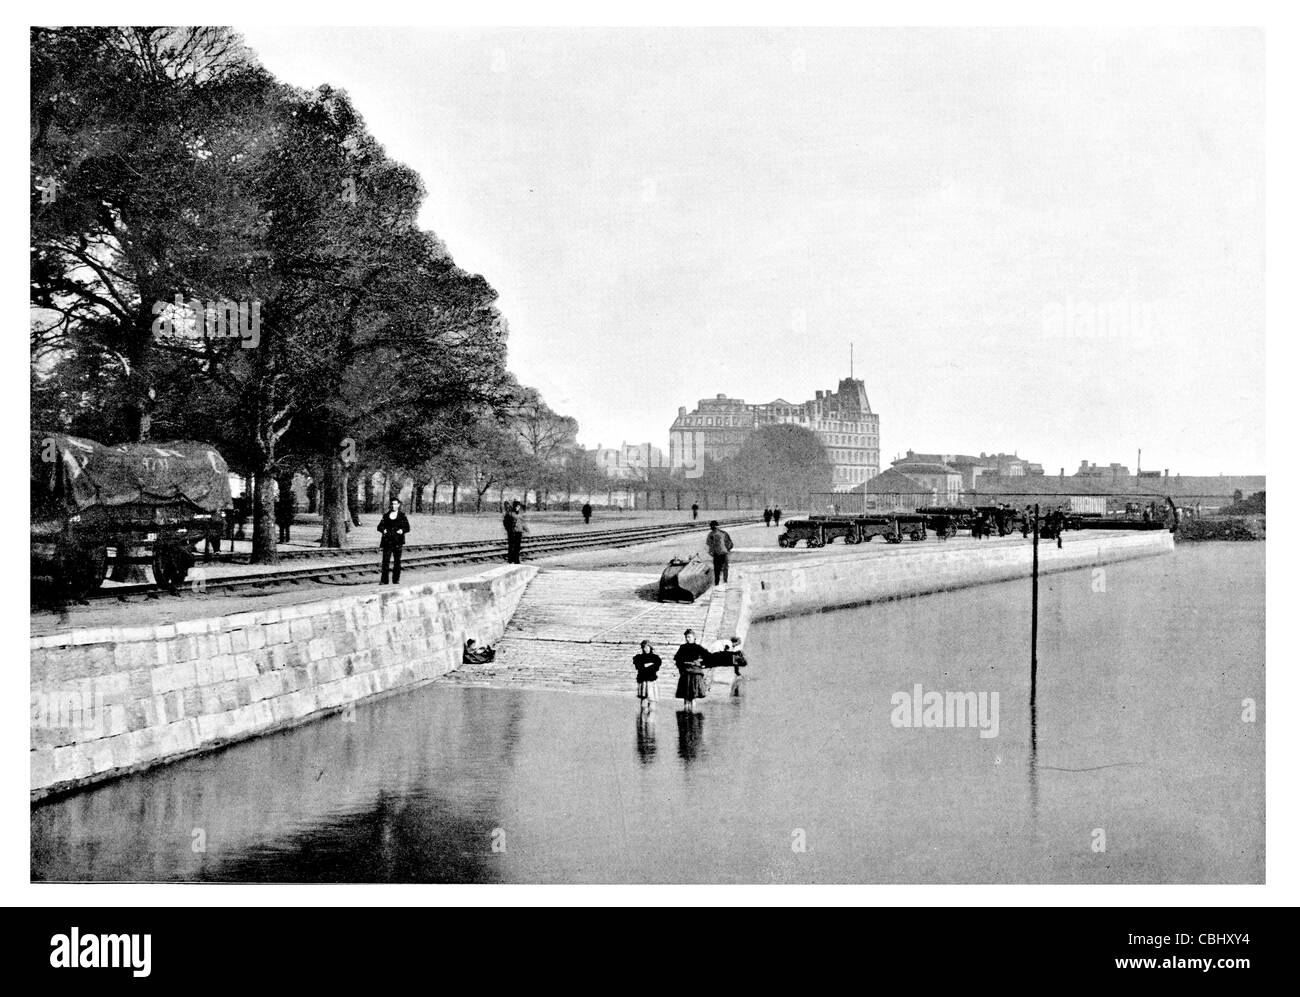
685	580
77	474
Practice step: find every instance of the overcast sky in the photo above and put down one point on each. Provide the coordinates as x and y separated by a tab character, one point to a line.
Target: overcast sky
1041	240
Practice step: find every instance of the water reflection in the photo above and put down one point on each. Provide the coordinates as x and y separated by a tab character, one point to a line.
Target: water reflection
452	784
645	736
690	734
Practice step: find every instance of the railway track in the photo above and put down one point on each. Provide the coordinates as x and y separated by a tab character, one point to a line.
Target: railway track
361	564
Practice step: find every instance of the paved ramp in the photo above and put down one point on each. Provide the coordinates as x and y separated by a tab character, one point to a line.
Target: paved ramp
578	631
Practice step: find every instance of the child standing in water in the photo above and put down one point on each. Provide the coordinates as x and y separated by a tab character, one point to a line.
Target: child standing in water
690	659
647	675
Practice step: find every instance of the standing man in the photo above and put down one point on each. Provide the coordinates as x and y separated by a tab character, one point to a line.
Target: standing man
695	510
515	526
284	510
776	516
719	543
393	528
767	516
586	513
1026	522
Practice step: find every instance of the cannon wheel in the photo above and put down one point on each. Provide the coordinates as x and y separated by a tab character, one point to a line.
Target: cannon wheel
783	541
816	541
916	534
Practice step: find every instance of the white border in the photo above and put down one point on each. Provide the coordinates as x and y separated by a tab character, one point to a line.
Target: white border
1283	84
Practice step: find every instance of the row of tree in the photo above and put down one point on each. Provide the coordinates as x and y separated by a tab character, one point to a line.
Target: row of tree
219	256
216	255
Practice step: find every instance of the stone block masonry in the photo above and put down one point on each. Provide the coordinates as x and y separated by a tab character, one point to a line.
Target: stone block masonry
817	582
108	701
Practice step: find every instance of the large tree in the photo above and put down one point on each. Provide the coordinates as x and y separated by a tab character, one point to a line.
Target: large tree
781	462
545	435
138	145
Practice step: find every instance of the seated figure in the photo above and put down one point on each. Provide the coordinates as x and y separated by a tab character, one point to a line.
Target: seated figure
475	655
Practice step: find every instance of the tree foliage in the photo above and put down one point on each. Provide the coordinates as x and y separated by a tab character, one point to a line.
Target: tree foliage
781	462
172	175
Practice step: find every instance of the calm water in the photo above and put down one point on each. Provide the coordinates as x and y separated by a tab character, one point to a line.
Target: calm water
1139	737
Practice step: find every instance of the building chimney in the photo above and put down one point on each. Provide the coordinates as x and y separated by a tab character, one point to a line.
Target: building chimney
1062	474
819	396
1166	473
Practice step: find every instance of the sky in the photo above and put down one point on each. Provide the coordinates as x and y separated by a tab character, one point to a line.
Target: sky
1042	241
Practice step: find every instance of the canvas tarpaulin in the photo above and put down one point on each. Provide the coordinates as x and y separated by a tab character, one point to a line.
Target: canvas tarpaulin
80	474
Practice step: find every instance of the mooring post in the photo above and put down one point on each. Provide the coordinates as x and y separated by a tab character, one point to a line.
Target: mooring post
1033	643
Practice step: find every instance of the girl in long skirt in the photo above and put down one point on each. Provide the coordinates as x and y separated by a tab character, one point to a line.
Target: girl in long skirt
647	675
690	660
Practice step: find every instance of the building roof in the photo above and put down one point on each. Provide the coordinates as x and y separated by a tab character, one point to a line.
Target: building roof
925	467
890	480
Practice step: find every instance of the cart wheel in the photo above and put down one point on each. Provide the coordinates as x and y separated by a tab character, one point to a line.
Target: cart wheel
171	565
81	571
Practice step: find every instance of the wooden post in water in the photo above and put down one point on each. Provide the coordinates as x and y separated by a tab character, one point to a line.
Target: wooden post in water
1033	644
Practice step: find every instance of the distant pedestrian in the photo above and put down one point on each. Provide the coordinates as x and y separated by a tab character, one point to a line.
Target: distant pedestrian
515	527
284	510
586	513
690	659
1059	525
767	516
776	516
393	528
695	510
647	665
719	544
1026	522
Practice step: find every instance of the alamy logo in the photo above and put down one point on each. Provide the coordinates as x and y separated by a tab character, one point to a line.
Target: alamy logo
221	319
94	951
946	709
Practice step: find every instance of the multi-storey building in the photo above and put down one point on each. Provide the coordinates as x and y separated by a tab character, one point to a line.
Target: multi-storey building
842	419
714	431
631	460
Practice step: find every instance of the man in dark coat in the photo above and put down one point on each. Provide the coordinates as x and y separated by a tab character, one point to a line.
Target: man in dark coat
695	510
767	516
284	510
393	528
586	512
513	523
776	516
719	543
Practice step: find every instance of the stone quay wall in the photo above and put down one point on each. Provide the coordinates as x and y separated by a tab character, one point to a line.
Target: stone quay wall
817	583
108	701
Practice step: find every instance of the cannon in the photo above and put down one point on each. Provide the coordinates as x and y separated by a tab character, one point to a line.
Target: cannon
152	503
